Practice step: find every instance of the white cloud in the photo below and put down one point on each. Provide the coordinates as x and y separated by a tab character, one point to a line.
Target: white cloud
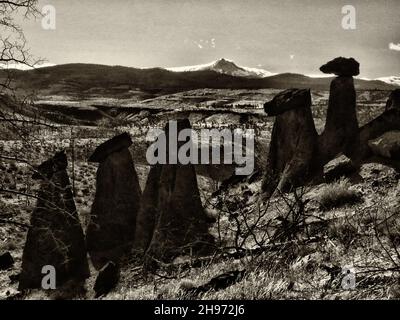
205	43
291	56
198	44
393	46
212	43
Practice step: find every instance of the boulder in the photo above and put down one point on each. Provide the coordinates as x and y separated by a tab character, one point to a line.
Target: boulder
55	236
219	282
107	279
342	67
338	168
387	145
111	229
389	120
341	132
378	174
6	261
225	280
115	144
291	158
288	100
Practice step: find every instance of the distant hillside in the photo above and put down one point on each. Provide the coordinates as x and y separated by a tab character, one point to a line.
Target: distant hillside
88	79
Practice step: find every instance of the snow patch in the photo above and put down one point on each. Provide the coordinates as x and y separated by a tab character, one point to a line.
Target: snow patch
225	66
394	80
21	66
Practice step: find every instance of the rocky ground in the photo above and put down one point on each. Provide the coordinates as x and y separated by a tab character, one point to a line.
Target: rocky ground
352	220
362	236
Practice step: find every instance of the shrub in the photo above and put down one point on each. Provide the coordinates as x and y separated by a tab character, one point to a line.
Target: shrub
338	194
8	245
343	231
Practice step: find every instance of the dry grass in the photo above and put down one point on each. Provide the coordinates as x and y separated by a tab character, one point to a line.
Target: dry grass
294	273
338	194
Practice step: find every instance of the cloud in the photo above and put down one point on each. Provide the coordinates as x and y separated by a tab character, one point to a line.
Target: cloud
212	43
291	56
198	44
393	46
205	43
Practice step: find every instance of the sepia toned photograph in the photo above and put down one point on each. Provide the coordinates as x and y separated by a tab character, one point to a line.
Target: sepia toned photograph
180	151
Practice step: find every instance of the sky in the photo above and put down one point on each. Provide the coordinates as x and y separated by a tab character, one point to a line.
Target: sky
277	35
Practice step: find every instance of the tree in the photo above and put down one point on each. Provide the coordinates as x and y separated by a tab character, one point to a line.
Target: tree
14	51
13	45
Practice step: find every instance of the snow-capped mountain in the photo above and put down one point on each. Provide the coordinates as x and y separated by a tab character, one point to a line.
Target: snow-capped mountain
395	80
226	66
21	66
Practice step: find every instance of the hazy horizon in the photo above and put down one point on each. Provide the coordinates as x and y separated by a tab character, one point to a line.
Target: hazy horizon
277	36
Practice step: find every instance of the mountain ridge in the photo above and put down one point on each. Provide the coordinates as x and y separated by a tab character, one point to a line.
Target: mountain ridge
82	79
222	66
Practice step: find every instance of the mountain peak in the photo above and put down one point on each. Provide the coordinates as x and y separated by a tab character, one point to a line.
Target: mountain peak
224	61
226	66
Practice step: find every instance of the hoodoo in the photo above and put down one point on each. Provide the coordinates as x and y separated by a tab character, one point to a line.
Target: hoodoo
341	133
112	224
172	220
291	158
55	236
